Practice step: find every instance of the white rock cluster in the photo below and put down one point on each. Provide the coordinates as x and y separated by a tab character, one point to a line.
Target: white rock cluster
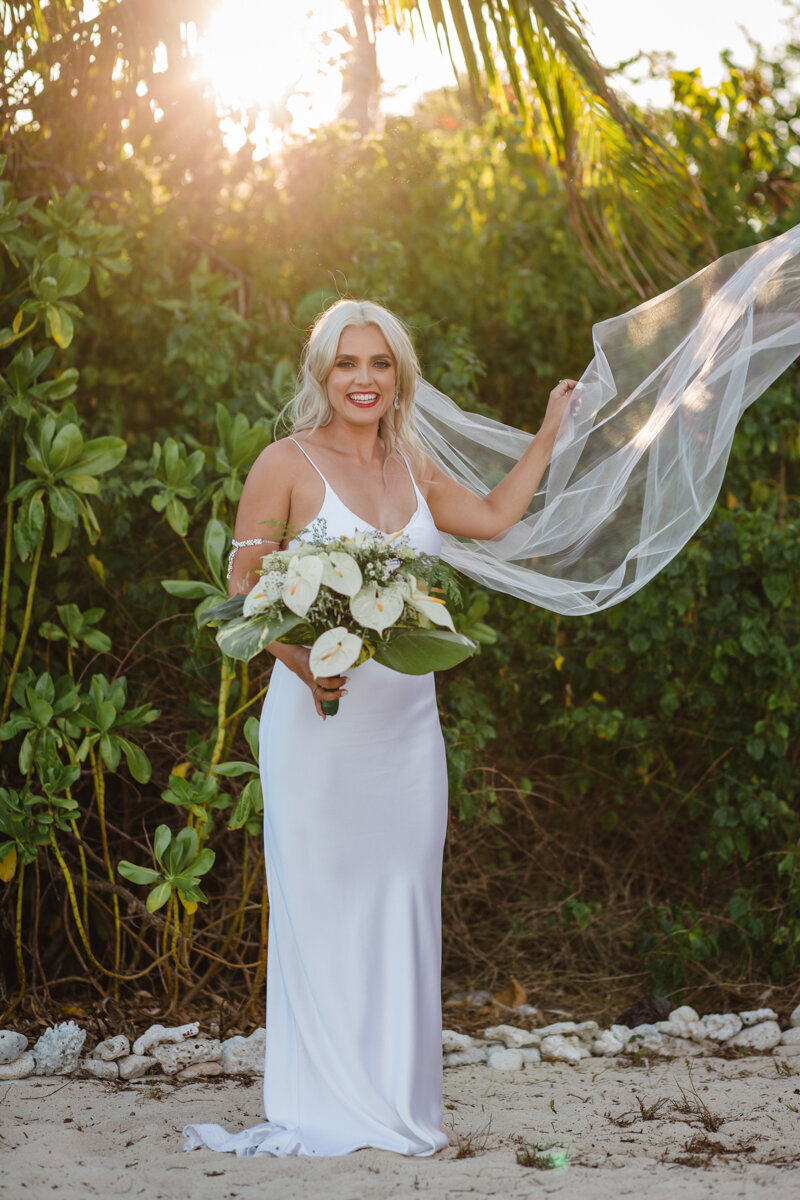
684	1034
176	1051
180	1053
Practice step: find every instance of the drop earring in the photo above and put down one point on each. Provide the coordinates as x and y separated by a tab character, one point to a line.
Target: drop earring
397	399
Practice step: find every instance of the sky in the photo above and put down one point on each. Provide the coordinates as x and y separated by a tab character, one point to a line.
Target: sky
696	31
288	61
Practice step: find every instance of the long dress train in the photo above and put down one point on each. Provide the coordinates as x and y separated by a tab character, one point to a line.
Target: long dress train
355	813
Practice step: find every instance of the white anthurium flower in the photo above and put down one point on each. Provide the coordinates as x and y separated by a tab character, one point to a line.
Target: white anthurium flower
376	607
264	594
341	573
432	608
302	582
333	652
406	585
359	539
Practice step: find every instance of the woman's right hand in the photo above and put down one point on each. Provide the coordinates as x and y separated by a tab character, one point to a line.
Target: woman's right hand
326	688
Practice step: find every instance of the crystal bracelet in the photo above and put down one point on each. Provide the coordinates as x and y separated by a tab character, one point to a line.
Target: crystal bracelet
247	542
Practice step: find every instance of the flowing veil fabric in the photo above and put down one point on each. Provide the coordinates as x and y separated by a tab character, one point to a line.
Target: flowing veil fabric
638	469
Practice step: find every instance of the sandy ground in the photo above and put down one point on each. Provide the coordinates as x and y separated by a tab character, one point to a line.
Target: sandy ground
74	1137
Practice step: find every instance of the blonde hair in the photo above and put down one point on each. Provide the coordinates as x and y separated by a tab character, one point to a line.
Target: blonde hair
310	407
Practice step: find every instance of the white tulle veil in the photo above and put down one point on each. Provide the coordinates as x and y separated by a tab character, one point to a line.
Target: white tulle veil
637	470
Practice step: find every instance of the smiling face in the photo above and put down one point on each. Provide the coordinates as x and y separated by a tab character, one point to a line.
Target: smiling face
362	381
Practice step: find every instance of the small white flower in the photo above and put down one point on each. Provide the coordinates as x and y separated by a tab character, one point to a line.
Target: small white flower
264	594
333	652
341	573
376	607
432	608
302	583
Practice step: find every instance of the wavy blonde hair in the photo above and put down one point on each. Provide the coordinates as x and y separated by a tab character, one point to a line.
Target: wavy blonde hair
310	407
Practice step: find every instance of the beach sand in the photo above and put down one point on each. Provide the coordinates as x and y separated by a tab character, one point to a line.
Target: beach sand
77	1137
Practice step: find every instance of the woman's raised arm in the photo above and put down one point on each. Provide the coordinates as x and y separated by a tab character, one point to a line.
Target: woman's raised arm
458	510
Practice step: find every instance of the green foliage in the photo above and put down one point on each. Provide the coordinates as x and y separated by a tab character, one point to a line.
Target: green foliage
102	716
42	716
150	324
182	865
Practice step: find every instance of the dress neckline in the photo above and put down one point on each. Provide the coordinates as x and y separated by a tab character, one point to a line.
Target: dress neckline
385	532
347	508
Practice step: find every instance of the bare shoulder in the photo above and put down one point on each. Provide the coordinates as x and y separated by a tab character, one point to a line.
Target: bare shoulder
278	456
276	468
432	473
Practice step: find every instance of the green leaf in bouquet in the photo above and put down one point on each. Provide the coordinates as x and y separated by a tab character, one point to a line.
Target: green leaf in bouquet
226	610
244	638
418	651
301	634
189	589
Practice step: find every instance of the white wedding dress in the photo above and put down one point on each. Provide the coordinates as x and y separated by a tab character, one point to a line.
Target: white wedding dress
355	812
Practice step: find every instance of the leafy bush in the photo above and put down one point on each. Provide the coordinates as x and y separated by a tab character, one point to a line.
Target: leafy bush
624	788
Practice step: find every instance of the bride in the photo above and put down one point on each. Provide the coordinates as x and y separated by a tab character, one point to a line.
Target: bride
355	808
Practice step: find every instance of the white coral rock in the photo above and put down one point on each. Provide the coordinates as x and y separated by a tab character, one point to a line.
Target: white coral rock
794	1019
199	1070
606	1044
12	1044
244	1055
531	1055
511	1037
790	1051
623	1033
134	1066
502	1059
791	1037
58	1049
112	1048
664	1044
466	1058
756	1016
558	1048
20	1068
684	1013
100	1068
454	1043
678	1027
720	1027
157	1035
558	1027
763	1037
174	1056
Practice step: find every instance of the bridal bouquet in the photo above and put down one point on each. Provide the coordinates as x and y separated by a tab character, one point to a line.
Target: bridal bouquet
349	599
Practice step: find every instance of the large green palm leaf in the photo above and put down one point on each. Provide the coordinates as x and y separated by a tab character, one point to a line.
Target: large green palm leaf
632	202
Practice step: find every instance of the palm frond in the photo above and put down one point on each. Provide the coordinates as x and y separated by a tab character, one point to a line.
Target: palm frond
632	201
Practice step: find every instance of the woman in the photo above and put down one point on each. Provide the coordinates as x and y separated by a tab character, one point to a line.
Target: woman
355	808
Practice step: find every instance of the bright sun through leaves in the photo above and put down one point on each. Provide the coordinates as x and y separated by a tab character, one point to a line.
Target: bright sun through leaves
260	53
283	59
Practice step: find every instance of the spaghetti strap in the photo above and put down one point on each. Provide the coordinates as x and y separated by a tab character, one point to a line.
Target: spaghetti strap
314	465
410	472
